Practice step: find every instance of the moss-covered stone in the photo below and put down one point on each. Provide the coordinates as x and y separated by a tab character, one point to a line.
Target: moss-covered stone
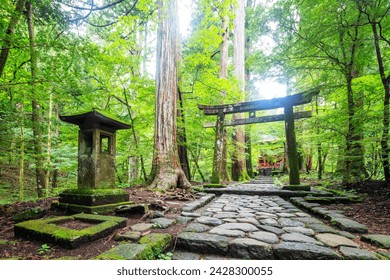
156	243
149	248
380	240
384	255
50	230
126	251
93	197
99	209
33	213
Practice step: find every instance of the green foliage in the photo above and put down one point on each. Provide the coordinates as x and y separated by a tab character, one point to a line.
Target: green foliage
44	249
84	66
167	256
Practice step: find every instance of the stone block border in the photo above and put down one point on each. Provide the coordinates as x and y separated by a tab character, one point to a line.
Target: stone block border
50	229
198	203
336	217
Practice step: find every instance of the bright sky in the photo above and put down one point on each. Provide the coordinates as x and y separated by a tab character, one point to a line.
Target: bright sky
185	7
268	88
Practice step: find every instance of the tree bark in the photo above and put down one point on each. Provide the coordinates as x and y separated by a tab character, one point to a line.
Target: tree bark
48	145
386	101
292	153
182	134
355	169
216	177
21	152
9	34
54	180
36	108
248	139
248	151
133	132
166	171
224	74
220	173
239	172
319	147
196	162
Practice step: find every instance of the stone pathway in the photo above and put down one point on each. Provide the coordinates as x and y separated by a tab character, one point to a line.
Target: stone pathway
242	226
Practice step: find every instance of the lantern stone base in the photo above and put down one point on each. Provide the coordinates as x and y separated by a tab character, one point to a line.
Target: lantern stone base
93	197
99	201
98	209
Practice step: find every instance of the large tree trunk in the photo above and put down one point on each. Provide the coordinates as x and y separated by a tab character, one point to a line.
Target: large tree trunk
319	147
182	135
239	172
355	169
36	108
386	102
48	145
9	34
249	97
166	171
224	74
54	180
218	151
21	152
220	172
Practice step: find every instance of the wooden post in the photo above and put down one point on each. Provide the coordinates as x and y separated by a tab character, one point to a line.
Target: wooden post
291	146
218	150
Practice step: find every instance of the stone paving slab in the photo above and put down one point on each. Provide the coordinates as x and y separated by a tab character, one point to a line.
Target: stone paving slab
304	251
203	242
163	222
380	240
350	253
334	240
250	249
247	226
349	225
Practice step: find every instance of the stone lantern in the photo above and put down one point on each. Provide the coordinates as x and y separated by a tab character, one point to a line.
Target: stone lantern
96	190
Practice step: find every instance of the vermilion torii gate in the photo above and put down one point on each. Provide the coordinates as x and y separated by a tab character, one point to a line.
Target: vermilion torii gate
287	103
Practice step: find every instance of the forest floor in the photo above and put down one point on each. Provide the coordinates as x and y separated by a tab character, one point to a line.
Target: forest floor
374	212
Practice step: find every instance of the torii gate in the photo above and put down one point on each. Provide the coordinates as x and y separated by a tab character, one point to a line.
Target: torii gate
287	103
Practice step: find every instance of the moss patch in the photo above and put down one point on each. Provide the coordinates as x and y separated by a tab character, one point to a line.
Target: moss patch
93	197
7	242
33	213
126	251
94	191
156	243
98	209
149	248
50	230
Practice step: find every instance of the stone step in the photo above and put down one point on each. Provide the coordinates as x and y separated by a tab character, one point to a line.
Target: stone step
349	225
379	240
